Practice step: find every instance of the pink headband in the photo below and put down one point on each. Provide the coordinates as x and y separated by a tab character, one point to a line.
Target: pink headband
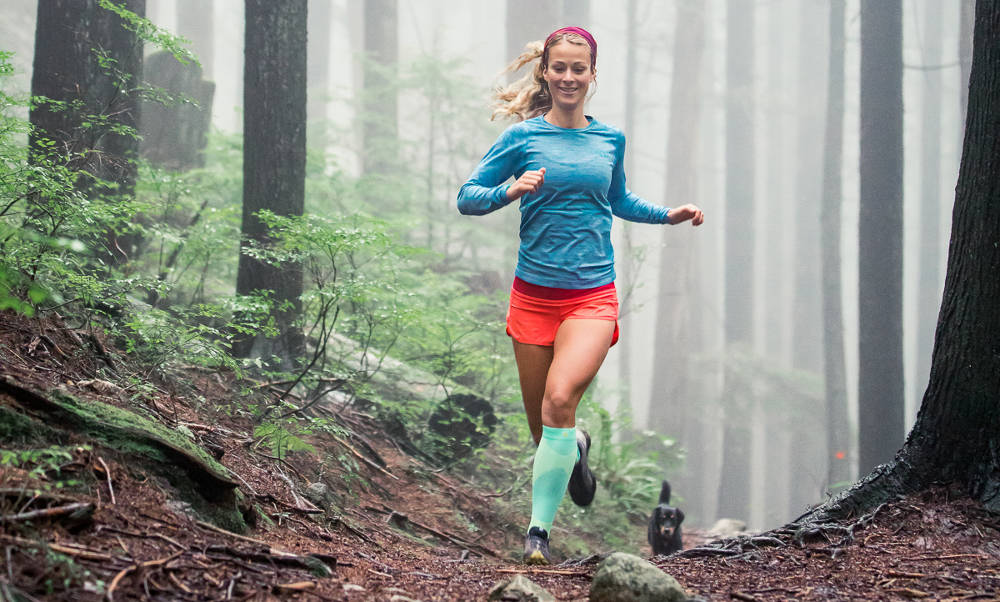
583	33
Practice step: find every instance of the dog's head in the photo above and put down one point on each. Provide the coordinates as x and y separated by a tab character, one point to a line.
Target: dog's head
666	520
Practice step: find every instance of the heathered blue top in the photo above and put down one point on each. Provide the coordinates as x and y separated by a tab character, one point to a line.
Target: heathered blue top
566	225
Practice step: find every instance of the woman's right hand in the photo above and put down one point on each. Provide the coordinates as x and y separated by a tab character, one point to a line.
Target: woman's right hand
530	181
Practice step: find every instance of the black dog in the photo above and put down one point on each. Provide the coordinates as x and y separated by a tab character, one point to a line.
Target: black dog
665	525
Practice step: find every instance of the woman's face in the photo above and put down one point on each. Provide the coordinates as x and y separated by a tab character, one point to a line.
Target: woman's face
568	73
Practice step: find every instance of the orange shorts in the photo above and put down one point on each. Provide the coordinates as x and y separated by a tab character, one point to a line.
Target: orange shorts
534	320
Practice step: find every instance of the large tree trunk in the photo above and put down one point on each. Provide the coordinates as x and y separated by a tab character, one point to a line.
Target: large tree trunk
880	235
734	488
676	318
838	443
957	431
70	36
274	160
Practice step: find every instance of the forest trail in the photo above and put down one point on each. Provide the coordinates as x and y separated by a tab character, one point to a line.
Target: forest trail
101	517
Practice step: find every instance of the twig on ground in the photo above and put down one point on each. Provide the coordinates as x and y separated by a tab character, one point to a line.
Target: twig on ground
107	475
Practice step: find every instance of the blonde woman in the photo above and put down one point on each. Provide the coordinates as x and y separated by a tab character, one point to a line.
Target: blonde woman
563	316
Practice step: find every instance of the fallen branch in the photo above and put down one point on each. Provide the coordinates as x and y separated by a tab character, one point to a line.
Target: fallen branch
363	458
85	554
78	510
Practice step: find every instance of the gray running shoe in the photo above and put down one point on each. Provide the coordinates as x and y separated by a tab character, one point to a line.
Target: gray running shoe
536	547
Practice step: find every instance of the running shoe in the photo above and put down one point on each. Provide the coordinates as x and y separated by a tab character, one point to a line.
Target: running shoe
536	547
582	483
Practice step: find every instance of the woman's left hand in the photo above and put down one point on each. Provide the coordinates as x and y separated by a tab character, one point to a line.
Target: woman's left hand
684	213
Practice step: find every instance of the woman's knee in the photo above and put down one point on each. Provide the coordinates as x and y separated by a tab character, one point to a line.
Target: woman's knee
559	407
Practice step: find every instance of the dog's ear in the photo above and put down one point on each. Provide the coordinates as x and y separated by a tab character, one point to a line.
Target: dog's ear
679	516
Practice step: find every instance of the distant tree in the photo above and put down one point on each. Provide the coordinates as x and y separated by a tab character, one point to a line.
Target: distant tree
530	20
676	318
967	10
880	235
805	340
624	256
88	66
576	13
320	20
274	161
957	431
379	117
734	488
807	476
838	443
196	22
929	273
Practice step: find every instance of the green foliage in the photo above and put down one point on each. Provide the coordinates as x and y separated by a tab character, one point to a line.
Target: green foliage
45	463
284	437
148	31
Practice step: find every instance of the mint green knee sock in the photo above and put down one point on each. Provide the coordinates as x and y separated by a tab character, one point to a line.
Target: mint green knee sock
554	460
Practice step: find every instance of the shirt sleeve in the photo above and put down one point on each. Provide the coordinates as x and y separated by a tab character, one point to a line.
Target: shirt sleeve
485	191
626	204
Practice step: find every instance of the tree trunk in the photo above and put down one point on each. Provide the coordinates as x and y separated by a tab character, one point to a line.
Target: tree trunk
576	13
734	488
880	236
69	36
274	160
678	291
624	256
929	279
838	446
196	22
808	477
320	20
379	113
957	431
967	11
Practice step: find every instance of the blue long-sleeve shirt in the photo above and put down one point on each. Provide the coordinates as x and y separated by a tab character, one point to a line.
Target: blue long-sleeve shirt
566	225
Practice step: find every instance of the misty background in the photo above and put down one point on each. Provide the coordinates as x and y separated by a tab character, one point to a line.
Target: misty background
674	275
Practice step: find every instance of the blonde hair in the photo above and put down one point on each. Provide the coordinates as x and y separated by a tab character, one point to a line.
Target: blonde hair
529	96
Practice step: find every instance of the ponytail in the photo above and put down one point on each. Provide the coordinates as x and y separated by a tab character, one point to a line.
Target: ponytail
527	97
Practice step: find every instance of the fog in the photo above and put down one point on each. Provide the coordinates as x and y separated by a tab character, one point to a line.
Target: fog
788	103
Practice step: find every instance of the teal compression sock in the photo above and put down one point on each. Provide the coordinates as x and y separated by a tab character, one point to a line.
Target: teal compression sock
554	460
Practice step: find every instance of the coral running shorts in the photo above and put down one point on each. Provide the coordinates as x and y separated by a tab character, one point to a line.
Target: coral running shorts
534	319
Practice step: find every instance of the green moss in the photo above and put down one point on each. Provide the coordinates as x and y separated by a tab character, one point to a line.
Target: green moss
119	427
18	429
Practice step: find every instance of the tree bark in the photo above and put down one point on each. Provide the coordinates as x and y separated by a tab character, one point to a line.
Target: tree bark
69	37
274	159
880	236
